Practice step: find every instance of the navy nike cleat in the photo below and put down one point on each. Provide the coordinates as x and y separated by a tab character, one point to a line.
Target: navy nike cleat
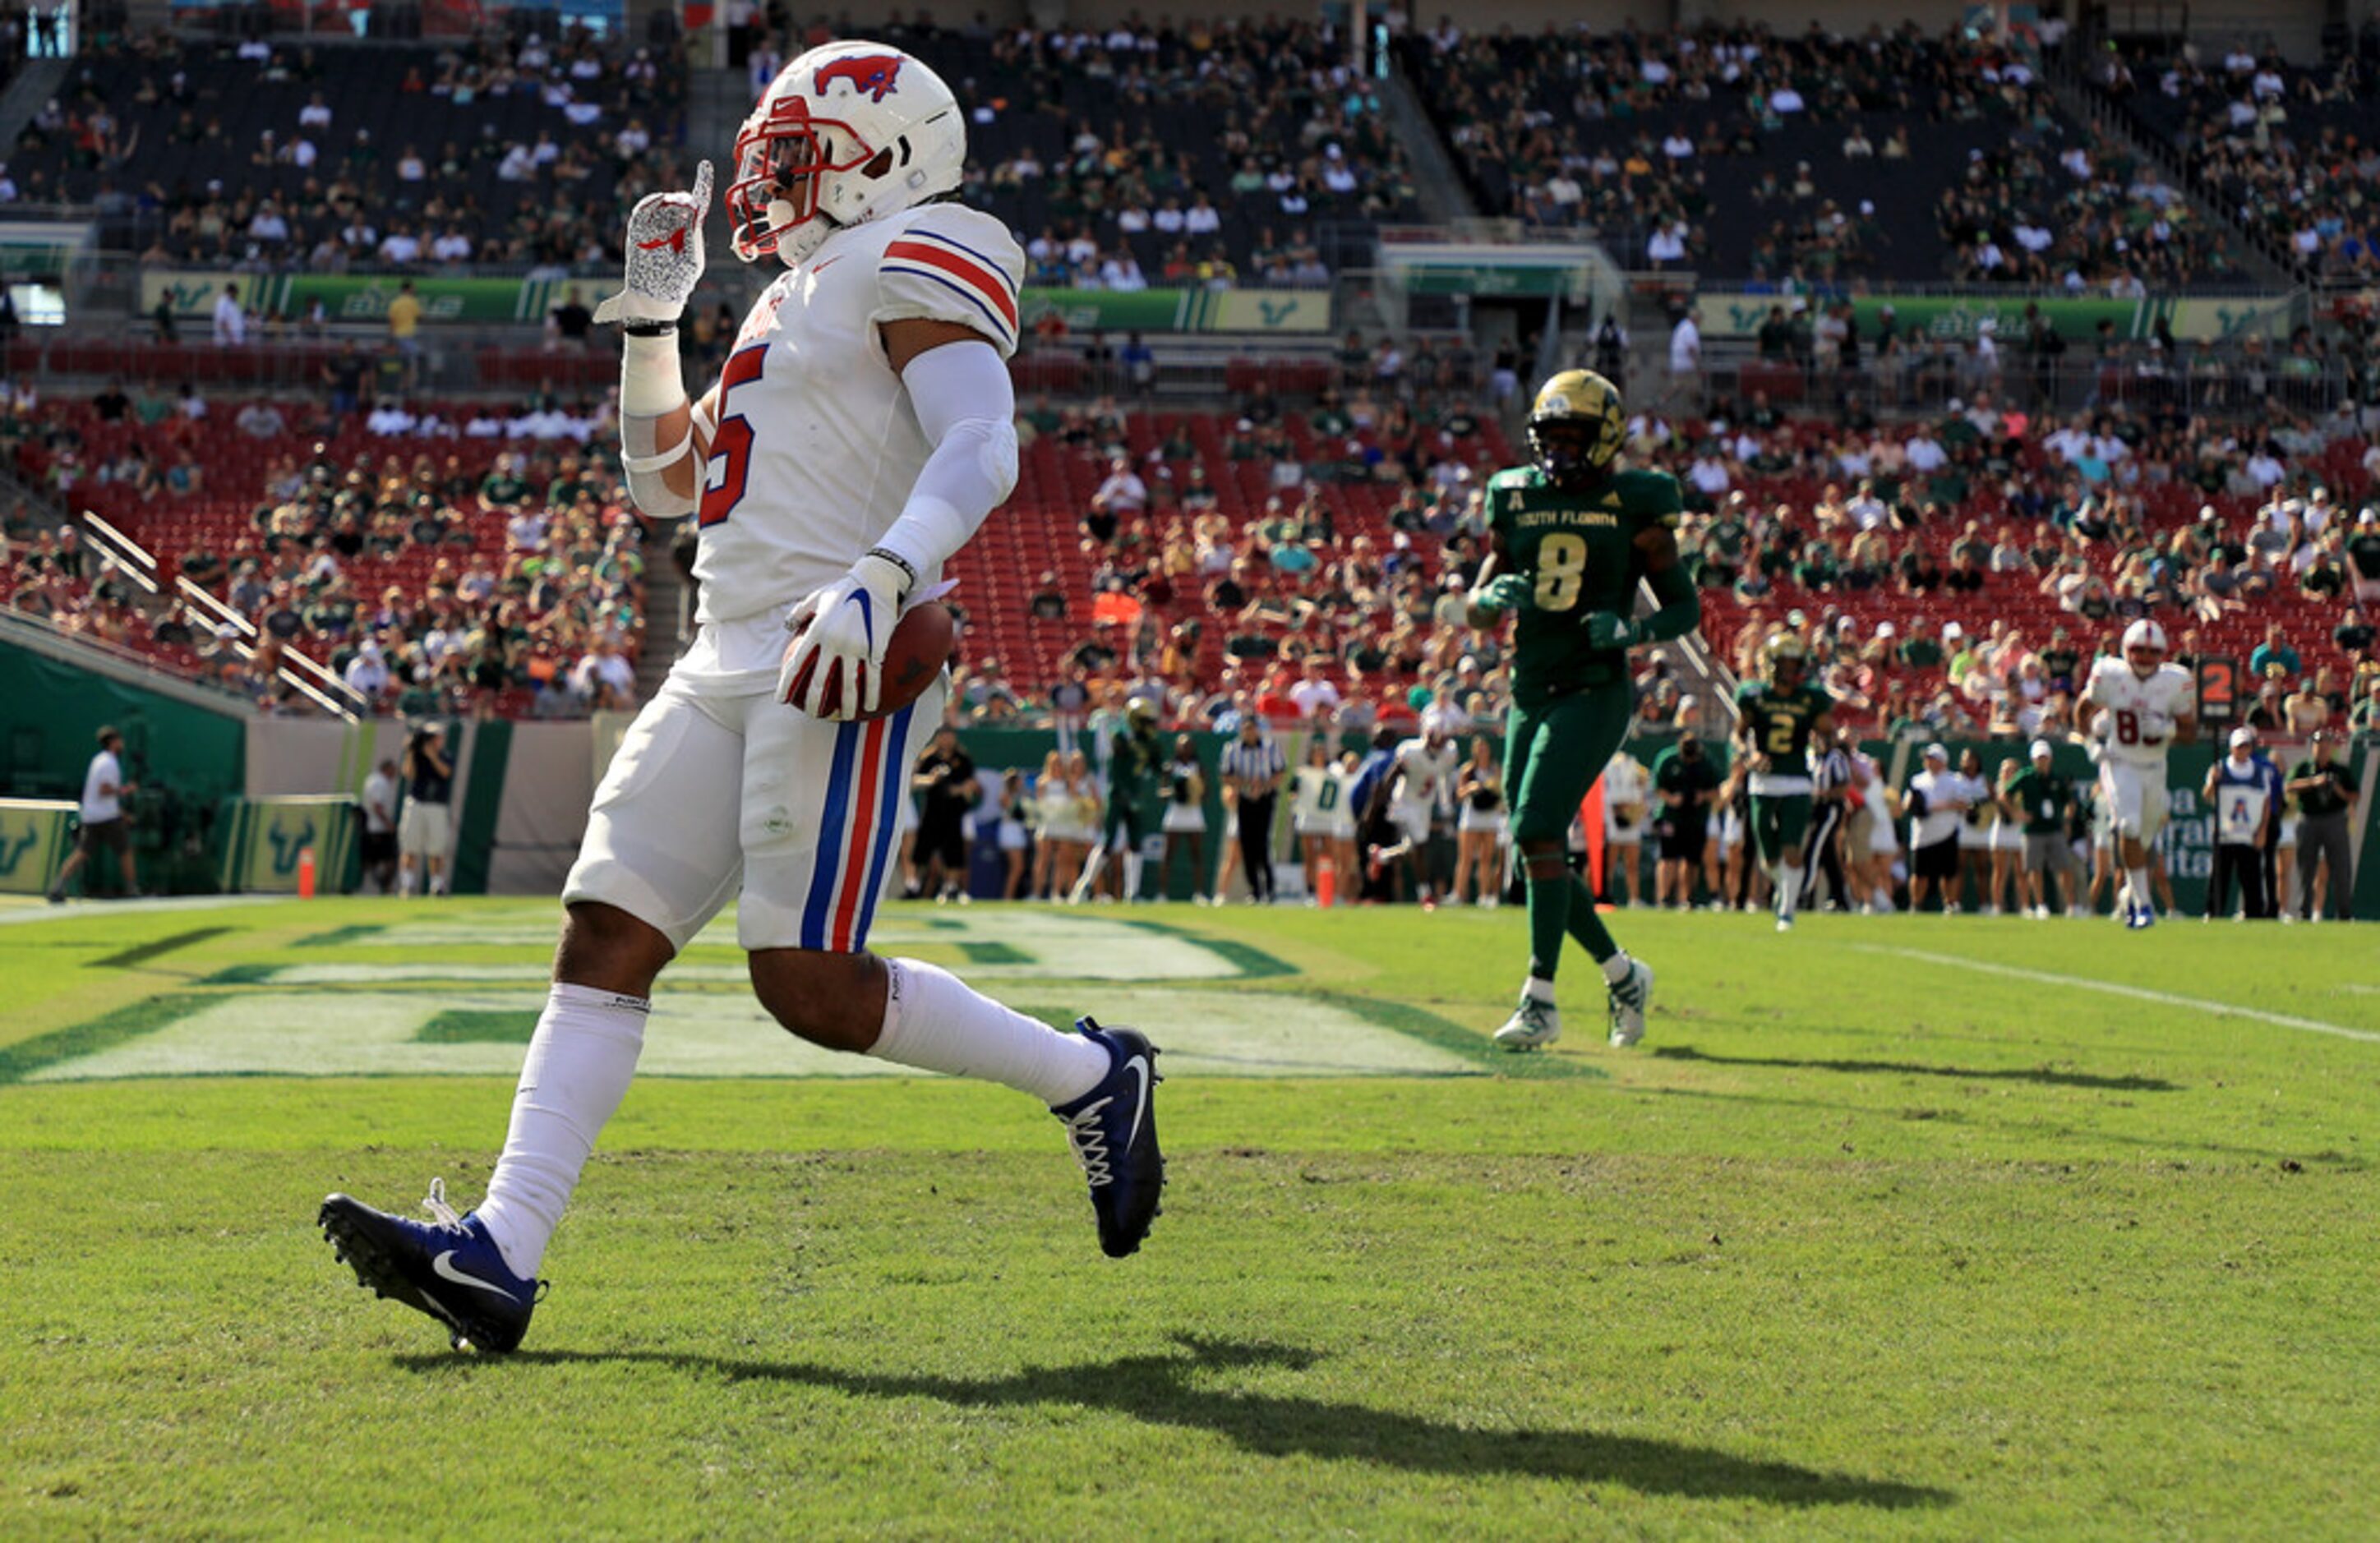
1113	1128
449	1269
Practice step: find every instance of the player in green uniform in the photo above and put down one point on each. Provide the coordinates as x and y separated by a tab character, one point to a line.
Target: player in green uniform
1571	538
1778	718
1134	760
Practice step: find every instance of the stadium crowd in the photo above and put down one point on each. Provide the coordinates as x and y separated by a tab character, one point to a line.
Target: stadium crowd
270	156
1734	152
436	564
1219	153
2287	151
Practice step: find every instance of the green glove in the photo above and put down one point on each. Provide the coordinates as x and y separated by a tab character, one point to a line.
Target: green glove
1608	629
1506	591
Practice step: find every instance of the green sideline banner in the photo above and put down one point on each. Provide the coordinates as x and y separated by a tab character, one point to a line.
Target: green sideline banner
360	297
1958	317
1181	310
268	835
32	843
351	296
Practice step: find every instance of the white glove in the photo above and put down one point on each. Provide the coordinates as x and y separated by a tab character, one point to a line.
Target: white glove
849	623
2155	727
664	248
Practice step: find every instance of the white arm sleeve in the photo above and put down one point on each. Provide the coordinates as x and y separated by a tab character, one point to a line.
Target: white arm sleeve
967	409
650	388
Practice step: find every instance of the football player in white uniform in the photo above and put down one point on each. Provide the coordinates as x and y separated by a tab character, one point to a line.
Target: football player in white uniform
2131	710
1420	785
860	432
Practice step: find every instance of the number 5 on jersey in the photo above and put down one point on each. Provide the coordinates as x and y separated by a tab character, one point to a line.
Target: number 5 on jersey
731	446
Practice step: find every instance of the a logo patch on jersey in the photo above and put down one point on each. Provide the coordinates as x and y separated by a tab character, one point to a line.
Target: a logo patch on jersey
871	73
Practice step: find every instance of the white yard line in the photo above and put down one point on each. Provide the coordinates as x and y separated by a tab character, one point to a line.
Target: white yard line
2138	993
34	911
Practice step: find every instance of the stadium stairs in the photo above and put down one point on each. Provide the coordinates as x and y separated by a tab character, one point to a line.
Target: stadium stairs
2080	103
39	81
1445	199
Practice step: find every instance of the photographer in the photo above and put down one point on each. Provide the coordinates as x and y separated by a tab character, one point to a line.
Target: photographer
1935	803
424	831
2324	790
1687	783
946	784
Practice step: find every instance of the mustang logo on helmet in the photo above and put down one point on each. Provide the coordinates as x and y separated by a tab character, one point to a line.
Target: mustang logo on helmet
871	73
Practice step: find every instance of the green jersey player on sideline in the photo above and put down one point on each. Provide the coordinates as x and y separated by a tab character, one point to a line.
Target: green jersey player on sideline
1777	718
1571	538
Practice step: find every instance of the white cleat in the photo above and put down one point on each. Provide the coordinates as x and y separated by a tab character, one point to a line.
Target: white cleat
1628	999
1532	1026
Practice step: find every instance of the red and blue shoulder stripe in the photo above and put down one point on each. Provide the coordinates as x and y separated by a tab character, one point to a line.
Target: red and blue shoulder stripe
974	276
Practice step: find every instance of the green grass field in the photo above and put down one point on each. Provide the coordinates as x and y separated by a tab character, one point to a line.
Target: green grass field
1898	1228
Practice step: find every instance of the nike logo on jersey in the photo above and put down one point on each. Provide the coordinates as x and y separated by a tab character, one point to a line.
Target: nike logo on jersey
1138	1067
442	1266
822	265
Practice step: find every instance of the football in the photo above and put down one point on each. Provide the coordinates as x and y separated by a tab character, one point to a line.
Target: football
920	646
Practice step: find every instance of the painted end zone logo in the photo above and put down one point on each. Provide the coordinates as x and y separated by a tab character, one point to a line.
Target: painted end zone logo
396	1001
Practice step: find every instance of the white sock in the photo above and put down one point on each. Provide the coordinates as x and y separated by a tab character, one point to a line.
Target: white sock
580	1062
933	1020
1538	989
1789	890
1131	861
2140	877
1616	968
405	884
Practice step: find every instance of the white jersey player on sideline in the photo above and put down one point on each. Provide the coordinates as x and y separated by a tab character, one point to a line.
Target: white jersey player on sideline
2131	710
1421	782
860	432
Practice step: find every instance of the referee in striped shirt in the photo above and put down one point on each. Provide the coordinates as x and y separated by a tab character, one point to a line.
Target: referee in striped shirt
1254	767
1831	782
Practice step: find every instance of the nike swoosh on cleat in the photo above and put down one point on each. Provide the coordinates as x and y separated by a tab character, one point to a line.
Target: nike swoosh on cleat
448	1273
1138	1066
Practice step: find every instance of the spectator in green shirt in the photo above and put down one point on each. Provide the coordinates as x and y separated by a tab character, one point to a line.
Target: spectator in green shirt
1919	650
2042	802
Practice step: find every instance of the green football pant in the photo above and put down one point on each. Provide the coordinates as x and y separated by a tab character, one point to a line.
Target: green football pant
1553	753
1778	825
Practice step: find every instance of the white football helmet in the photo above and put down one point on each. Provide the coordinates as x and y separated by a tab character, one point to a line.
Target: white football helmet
2144	636
849	132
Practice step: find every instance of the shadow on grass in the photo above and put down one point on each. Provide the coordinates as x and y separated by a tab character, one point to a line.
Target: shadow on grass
2041	1075
1164	1390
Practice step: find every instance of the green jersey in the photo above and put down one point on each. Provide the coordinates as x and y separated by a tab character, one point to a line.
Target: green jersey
1779	721
2045	799
1579	550
1132	767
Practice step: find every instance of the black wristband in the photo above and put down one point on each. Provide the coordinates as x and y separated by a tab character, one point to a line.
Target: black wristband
649	329
899	562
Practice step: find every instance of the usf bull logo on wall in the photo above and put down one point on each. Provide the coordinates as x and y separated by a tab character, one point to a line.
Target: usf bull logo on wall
269	836
32	843
289	834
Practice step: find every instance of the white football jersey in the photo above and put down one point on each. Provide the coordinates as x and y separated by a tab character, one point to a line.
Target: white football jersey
816	447
1429	774
1322	802
2141	711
